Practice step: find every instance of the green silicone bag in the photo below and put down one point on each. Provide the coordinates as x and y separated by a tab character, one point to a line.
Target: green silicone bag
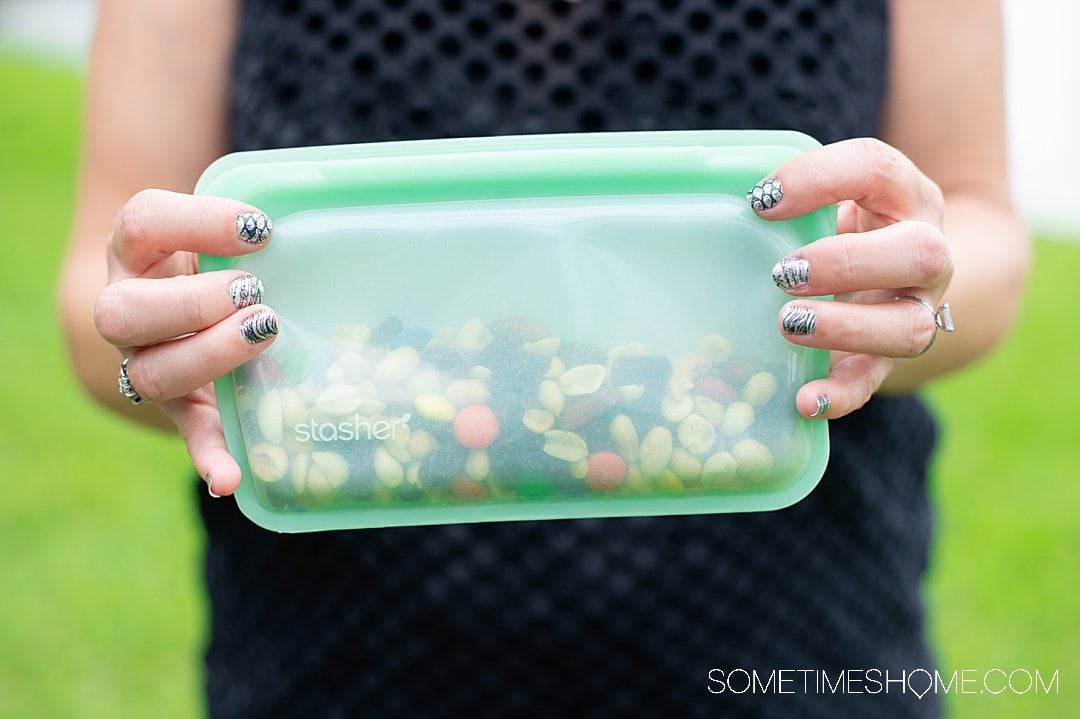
529	327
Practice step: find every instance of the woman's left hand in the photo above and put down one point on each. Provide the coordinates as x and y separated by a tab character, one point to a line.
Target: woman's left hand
889	250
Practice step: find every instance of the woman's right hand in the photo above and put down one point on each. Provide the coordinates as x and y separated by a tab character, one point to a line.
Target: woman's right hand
178	329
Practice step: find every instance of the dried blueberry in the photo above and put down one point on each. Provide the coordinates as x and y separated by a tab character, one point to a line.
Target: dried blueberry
417	337
447	359
739	369
389	329
503	349
509	456
443	465
362	488
597	434
648	370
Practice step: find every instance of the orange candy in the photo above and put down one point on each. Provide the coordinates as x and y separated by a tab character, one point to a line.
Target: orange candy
476	426
606	470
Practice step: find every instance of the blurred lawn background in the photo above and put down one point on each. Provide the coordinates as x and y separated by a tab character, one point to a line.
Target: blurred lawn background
101	607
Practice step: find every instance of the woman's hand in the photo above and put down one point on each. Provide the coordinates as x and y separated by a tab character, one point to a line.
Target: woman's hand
180	330
889	245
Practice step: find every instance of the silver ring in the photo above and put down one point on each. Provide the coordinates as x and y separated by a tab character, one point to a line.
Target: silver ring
124	383
942	318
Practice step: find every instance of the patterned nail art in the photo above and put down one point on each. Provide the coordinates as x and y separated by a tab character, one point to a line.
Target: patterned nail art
245	291
259	327
253	227
765	194
799	320
790	273
823	404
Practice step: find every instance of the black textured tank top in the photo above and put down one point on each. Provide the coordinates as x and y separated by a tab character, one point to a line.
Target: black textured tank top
617	617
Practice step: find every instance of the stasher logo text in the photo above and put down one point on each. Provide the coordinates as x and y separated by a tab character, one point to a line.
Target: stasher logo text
359	428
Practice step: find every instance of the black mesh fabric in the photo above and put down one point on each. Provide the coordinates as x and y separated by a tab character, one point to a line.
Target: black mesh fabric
329	71
599	618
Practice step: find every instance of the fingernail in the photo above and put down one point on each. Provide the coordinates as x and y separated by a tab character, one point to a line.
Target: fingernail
823	404
799	320
765	194
210	487
259	327
253	227
246	291
791	273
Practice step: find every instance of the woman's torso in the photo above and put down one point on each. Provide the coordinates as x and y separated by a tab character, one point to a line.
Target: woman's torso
558	618
323	71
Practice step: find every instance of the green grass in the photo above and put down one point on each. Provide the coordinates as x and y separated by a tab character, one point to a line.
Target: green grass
1005	584
101	608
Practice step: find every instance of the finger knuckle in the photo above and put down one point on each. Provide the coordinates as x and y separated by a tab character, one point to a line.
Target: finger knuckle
147	379
887	165
110	317
847	261
203	310
856	393
933	260
136	216
867	387
920	331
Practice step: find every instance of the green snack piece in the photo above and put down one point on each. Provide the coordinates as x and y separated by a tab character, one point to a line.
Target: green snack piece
533	486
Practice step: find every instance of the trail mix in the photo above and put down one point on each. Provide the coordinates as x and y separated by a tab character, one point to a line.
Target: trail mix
506	410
